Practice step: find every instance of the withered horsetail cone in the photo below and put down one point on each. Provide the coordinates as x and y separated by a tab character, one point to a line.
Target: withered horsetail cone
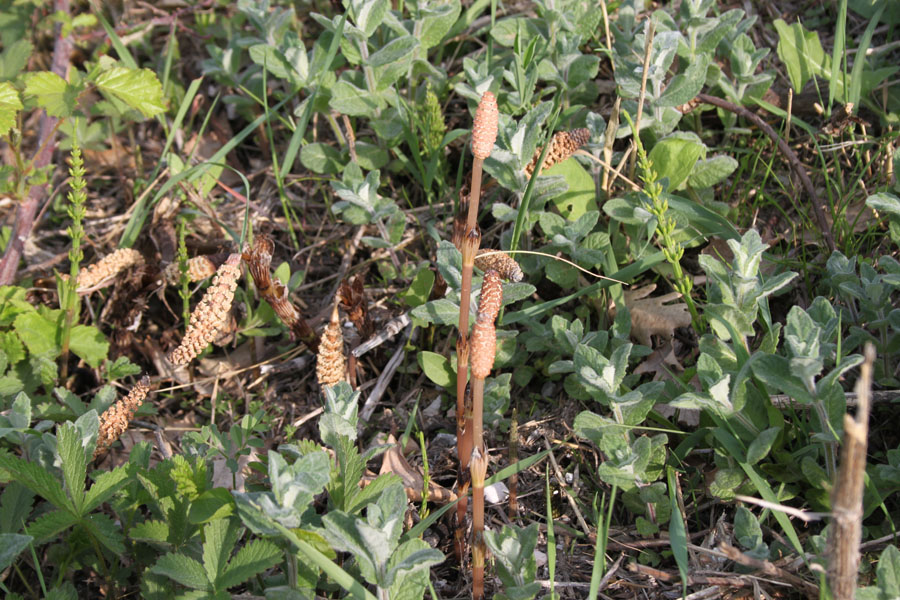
211	314
114	420
330	364
108	266
563	145
198	269
501	262
484	130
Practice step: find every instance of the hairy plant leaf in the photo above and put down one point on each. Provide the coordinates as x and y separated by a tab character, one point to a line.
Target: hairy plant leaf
183	569
10	105
255	557
138	88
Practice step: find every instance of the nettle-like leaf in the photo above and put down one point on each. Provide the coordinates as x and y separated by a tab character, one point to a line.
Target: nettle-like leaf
10	105
11	545
52	93
340	418
138	88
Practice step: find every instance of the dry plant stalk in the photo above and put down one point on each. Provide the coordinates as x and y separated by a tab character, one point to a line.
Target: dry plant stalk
563	145
330	365
108	267
503	263
513	499
114	420
211	315
199	268
258	259
847	495
484	134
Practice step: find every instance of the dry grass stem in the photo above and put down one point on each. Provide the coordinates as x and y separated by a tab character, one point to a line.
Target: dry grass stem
331	368
847	495
114	420
108	267
563	145
211	315
499	261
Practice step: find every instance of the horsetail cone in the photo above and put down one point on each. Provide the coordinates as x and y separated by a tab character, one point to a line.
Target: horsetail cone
563	145
211	314
198	269
484	130
330	365
114	420
108	266
483	343
499	261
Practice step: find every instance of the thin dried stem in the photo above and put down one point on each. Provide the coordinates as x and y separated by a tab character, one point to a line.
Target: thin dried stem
847	495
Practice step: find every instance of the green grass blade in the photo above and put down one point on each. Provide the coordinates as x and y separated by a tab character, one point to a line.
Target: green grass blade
837	57
551	536
677	533
297	137
859	62
529	189
143	207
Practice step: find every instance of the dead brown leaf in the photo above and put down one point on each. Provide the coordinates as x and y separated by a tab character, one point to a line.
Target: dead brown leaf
652	316
394	462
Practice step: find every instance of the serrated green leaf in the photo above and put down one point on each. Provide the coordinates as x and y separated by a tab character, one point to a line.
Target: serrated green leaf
183	569
37	479
106	531
14	59
38	333
150	531
138	88
49	525
52	93
255	557
220	537
10	105
11	544
74	463
88	342
15	506
106	484
216	503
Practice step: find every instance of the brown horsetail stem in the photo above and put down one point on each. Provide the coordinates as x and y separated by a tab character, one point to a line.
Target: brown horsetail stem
483	348
211	314
563	145
331	368
258	259
114	420
484	134
108	267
